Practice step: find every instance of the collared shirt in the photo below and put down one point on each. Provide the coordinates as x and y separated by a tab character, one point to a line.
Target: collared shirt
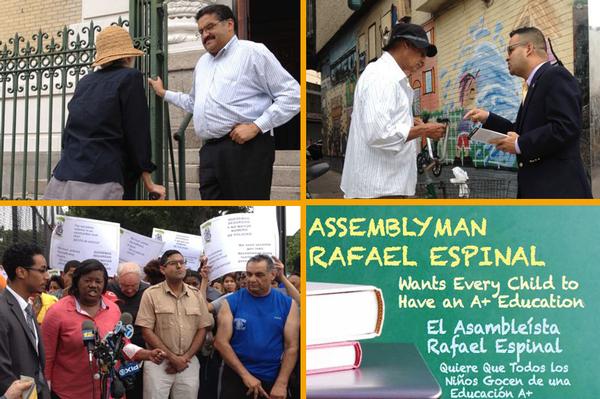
175	319
379	159
84	312
532	74
23	304
67	361
243	83
529	79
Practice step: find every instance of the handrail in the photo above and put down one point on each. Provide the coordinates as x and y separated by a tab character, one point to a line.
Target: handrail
179	136
171	153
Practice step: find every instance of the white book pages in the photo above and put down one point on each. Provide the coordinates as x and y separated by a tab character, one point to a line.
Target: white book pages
341	312
329	357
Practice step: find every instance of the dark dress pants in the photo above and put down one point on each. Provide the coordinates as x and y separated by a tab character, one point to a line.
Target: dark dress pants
231	171
232	385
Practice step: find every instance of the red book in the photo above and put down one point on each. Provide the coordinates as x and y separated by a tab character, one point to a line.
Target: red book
333	357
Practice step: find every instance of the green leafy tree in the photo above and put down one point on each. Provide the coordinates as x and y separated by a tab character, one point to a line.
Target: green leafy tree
292	252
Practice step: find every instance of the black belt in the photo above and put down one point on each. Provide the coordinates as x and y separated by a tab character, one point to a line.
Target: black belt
217	140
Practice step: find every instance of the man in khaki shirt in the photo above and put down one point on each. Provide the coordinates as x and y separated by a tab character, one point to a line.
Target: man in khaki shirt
173	317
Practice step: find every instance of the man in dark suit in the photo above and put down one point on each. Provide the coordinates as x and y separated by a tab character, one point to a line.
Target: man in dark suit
21	349
546	134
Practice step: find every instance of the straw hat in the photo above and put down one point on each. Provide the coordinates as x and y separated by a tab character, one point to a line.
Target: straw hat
114	43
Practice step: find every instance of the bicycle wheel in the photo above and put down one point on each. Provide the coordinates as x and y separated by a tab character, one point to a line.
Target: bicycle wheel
437	168
421	162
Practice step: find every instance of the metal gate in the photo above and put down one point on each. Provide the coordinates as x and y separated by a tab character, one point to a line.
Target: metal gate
37	77
31	224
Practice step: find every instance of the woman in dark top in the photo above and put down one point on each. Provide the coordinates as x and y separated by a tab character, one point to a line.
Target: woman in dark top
107	136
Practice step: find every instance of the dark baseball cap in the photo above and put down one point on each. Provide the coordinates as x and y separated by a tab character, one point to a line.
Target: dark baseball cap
414	34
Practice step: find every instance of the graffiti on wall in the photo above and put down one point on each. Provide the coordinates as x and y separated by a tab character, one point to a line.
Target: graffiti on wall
344	67
337	103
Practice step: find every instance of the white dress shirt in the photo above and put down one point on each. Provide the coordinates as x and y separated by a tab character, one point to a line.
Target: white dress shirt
243	83
379	160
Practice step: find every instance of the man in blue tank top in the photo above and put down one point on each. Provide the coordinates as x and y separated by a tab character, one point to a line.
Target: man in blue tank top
257	336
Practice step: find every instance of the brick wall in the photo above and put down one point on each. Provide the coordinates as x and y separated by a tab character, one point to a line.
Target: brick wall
27	16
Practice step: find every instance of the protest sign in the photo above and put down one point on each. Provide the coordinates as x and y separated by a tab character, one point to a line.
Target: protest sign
189	245
138	249
230	240
80	239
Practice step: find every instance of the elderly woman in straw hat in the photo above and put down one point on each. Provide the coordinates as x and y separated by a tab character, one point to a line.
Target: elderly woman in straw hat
106	140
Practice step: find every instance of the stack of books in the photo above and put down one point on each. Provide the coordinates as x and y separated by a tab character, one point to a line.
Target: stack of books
337	317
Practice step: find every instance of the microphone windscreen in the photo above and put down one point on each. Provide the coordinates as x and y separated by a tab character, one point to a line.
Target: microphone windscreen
126	318
88	331
88	325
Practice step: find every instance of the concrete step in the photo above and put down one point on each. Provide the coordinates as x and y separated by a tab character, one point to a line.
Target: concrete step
287	157
191	191
285	193
282	175
277	192
286	176
282	157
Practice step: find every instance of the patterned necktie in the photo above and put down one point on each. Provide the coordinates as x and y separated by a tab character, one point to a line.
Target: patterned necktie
30	322
525	88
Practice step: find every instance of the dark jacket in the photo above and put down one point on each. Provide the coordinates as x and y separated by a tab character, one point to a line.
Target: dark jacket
18	355
131	305
107	135
549	124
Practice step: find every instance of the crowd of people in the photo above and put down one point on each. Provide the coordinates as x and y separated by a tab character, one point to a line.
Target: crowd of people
234	337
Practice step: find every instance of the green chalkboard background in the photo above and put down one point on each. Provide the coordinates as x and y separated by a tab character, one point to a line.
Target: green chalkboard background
567	239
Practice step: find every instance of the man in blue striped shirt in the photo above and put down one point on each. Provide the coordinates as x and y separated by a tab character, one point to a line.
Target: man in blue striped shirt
239	94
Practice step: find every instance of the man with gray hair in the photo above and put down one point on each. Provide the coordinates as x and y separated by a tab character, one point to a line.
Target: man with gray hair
129	287
257	336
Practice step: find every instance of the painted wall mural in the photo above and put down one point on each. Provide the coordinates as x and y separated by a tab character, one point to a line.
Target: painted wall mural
482	80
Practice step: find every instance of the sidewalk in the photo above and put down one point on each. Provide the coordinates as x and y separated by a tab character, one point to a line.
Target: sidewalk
328	185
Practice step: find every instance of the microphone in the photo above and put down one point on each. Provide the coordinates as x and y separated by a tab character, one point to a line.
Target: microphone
127	373
123	329
129	369
117	389
127	319
88	331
